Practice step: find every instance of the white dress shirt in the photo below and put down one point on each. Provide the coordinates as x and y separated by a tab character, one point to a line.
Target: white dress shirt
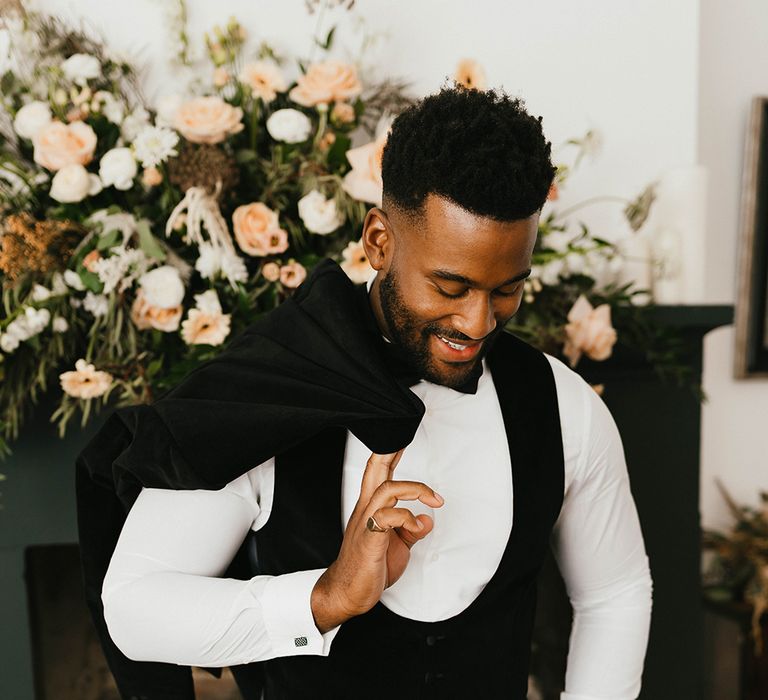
164	602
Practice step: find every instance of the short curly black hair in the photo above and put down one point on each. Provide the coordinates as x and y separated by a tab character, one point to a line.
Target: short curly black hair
480	149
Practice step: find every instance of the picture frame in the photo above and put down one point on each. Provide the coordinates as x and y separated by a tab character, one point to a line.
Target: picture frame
751	351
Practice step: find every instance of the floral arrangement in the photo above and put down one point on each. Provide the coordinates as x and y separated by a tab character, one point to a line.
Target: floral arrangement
739	567
136	241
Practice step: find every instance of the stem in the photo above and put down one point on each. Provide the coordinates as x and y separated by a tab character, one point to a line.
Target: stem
587	202
255	114
321	124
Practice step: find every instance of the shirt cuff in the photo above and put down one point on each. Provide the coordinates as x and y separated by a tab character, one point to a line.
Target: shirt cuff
288	620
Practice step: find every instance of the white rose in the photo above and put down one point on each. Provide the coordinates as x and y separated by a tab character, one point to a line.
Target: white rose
71	184
167	107
80	68
118	167
289	125
31	118
162	287
319	214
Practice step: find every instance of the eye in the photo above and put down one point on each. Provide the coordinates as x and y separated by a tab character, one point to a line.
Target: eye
510	293
442	292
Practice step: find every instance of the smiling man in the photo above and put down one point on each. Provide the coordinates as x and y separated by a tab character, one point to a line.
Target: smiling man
413	574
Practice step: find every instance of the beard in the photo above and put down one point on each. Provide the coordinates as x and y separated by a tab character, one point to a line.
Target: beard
413	338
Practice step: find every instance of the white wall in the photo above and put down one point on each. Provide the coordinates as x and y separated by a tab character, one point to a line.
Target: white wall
665	86
733	63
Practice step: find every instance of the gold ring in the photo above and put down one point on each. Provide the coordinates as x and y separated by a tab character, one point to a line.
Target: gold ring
373	526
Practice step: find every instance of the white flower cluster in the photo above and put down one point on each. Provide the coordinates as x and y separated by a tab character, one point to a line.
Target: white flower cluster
27	324
121	268
214	260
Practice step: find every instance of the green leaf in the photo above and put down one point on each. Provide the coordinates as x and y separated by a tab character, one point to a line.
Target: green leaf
326	45
107	240
245	155
337	154
6	82
91	281
148	243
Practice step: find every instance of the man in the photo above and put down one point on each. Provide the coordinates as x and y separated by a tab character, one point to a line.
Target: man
412	574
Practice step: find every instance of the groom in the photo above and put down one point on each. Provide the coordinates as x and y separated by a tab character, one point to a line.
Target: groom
409	574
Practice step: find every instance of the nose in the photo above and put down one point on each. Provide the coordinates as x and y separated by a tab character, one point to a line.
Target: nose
476	318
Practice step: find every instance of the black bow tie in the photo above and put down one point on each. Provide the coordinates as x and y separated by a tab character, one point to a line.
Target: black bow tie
397	359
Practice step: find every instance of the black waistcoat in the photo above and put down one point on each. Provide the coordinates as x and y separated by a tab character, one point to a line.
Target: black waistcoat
484	650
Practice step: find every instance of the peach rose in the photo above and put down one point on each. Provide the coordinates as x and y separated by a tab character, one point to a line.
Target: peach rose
364	182
257	230
151	177
264	79
343	113
86	382
470	74
57	145
292	274
589	331
145	316
207	120
271	272
205	328
324	82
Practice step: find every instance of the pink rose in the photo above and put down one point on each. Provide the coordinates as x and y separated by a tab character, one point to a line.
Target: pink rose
207	120
58	145
589	331
257	230
324	82
292	274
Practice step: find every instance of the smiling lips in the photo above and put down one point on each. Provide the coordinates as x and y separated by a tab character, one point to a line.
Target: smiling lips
454	351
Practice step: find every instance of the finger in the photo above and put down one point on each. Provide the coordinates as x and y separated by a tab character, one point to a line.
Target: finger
397	518
388	493
411	537
377	471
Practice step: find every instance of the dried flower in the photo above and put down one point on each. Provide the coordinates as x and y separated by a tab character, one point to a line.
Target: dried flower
203	166
638	209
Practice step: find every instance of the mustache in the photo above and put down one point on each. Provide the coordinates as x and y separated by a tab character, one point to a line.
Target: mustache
451	334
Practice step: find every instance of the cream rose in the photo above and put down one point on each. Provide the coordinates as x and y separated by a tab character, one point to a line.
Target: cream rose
86	382
589	331
324	82
118	167
265	79
202	328
320	215
257	230
364	181
31	118
207	120
146	316
355	262
71	184
162	287
58	144
289	125
79	68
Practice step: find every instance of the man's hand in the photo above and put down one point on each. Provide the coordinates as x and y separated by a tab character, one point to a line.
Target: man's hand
369	562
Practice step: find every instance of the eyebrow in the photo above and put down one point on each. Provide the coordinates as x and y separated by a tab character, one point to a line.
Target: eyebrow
461	279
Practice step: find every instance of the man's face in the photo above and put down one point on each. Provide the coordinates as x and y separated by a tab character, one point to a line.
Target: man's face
447	284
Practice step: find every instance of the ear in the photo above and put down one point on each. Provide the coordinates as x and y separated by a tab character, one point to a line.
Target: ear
377	239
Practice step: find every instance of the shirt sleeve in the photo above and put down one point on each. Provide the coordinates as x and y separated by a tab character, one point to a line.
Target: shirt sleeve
164	598
599	549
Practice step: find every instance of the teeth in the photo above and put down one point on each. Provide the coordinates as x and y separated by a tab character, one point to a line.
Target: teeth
455	346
